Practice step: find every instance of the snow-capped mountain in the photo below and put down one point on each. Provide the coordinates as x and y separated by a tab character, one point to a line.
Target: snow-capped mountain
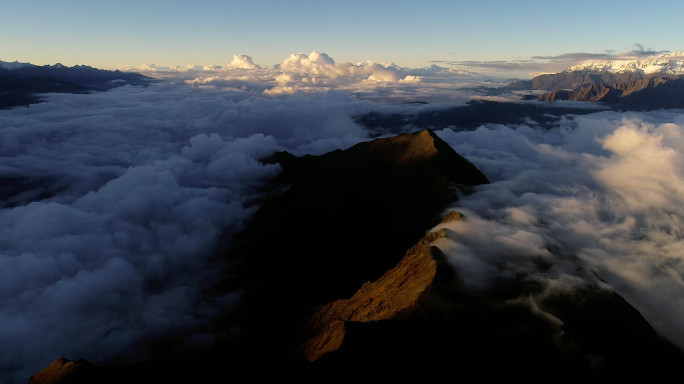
666	64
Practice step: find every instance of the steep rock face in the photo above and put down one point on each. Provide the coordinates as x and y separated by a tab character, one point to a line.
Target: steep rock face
393	296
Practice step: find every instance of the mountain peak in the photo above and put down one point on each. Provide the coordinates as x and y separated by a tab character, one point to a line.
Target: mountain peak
14	65
65	371
348	216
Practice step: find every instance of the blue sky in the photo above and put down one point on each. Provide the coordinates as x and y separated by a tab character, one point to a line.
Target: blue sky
109	34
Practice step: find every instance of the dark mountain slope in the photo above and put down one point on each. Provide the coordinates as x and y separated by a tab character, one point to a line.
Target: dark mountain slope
82	75
643	94
573	80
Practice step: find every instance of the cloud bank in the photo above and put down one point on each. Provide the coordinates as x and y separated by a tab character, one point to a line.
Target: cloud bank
598	197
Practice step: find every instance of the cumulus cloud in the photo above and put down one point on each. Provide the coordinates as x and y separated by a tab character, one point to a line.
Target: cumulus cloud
371	80
317	72
241	61
598	196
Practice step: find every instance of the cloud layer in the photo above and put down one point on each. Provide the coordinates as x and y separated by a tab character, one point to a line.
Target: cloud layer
122	198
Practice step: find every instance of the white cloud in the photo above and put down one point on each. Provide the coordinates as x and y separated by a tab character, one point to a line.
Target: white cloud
241	61
411	79
317	72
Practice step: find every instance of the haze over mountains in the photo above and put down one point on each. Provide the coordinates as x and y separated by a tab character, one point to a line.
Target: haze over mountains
224	218
20	83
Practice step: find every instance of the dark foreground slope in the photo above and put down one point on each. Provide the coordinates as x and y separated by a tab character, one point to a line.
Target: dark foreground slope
341	281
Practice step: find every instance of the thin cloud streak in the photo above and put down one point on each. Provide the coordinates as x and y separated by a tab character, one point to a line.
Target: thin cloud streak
536	65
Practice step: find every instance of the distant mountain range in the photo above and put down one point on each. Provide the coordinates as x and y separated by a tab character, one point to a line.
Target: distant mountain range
652	83
21	83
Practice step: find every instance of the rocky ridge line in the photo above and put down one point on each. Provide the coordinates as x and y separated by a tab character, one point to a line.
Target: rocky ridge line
395	294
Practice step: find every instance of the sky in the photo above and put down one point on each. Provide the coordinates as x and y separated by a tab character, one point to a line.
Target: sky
115	34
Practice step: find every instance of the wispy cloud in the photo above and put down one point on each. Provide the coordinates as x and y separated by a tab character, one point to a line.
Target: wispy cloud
534	65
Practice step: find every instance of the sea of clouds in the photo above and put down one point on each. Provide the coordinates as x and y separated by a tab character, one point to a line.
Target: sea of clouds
120	200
